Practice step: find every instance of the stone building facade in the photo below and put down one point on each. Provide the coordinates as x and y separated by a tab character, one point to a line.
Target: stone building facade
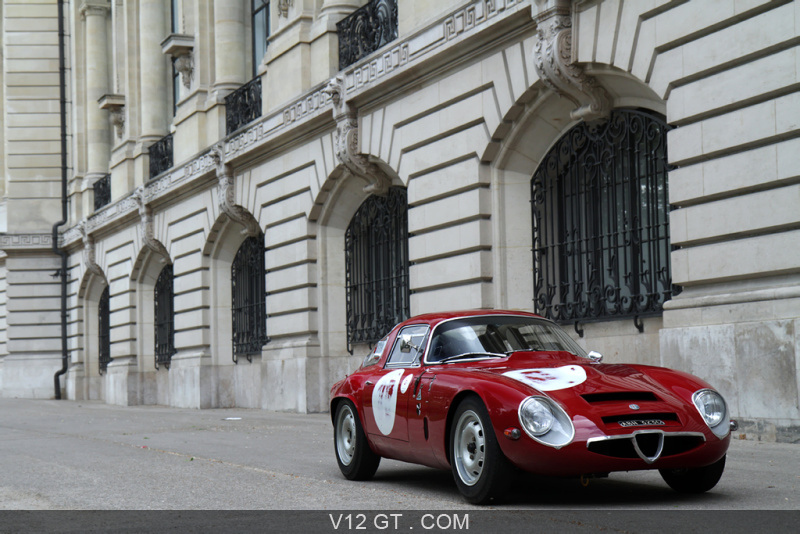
255	189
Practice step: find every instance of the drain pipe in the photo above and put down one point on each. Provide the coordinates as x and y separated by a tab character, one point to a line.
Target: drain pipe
62	82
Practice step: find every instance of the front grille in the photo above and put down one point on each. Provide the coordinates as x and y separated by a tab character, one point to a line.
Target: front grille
620	396
648	443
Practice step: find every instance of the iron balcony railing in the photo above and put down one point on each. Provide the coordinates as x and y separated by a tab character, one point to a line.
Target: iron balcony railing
102	192
366	30
160	156
243	106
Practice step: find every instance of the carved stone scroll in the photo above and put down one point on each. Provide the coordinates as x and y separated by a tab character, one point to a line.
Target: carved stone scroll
226	195
554	65
88	251
147	227
346	118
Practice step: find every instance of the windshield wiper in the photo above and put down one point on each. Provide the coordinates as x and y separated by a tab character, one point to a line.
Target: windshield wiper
471	355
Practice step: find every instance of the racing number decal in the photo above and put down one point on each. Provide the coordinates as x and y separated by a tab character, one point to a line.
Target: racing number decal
550	378
384	401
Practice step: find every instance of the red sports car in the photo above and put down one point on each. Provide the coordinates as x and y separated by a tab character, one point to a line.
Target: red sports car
484	392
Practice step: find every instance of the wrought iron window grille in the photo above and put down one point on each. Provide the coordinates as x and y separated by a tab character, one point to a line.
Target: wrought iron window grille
377	267
102	192
366	30
600	210
243	106
164	312
104	330
160	156
249	305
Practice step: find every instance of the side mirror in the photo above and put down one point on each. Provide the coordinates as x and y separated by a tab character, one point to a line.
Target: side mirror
595	356
406	345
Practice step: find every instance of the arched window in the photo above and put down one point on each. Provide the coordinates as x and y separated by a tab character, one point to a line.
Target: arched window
249	305
164	317
376	258
104	330
601	221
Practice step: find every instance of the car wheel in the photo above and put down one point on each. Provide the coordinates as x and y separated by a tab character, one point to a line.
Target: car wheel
480	469
356	460
694	480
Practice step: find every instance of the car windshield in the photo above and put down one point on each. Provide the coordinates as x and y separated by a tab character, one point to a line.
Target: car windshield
498	334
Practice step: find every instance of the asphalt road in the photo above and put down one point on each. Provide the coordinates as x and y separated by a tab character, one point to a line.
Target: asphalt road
66	455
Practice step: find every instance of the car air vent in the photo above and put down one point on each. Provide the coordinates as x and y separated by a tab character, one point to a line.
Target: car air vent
620	396
640	417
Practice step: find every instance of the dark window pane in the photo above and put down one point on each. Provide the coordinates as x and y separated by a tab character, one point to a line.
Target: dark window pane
376	257
601	221
164	317
104	330
249	305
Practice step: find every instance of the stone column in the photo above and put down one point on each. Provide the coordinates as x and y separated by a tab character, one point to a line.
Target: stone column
155	114
339	7
229	49
95	13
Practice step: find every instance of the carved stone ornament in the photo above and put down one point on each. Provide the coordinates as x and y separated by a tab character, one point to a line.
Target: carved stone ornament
88	250
283	7
181	48
226	197
147	227
346	141
554	65
115	104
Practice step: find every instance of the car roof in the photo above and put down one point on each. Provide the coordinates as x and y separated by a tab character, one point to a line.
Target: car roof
437	317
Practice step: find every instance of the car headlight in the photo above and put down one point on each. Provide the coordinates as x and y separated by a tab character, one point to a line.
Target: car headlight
536	416
546	422
712	408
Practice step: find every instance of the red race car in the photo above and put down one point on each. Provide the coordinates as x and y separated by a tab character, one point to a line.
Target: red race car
482	392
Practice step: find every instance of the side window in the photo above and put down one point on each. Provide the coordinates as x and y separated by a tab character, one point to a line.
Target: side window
409	346
373	357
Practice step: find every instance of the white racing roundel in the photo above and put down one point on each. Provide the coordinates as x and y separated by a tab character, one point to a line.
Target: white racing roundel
550	378
384	401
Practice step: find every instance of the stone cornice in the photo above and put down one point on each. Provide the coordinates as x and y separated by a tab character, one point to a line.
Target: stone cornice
369	74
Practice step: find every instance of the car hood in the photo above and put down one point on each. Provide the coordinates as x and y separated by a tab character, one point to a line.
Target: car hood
568	378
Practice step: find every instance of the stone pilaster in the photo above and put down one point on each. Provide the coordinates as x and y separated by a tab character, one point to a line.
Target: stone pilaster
155	114
94	14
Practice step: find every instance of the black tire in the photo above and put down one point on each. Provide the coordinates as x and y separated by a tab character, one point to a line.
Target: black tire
480	469
356	460
696	479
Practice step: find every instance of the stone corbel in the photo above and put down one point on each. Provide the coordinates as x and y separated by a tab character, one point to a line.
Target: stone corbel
147	227
346	117
181	47
88	251
115	104
226	197
555	67
283	7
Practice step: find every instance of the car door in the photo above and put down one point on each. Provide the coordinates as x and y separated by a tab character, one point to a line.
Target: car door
386	396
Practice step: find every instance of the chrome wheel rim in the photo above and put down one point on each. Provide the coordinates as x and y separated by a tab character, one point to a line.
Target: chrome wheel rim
346	435
469	448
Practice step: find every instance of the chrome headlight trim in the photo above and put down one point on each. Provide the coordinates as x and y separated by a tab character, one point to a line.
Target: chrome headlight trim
561	431
718	422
